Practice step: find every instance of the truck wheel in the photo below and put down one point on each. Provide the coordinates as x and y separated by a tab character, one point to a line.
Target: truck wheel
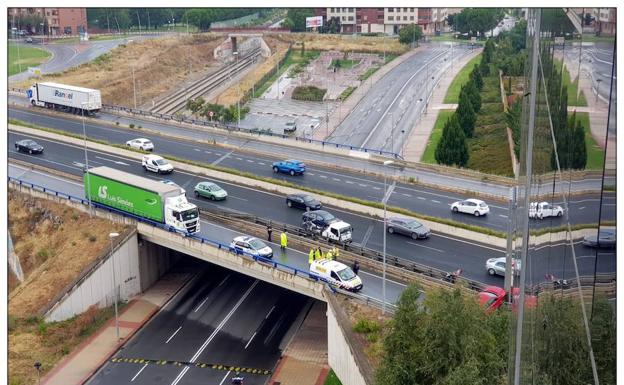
32	102
275	170
292	173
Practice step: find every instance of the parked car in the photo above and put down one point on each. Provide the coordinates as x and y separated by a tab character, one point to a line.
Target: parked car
475	207
157	164
29	146
498	266
290	128
141	144
292	167
541	210
410	227
492	297
605	239
252	246
303	201
172	183
210	190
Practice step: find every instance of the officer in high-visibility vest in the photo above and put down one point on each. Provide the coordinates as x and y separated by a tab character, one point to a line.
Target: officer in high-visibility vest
318	254
283	240
335	252
311	256
329	256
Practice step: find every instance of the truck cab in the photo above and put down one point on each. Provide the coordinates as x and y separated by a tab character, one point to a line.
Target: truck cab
338	274
182	215
339	232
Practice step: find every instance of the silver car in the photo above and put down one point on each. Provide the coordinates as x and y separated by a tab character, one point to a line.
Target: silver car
410	227
497	266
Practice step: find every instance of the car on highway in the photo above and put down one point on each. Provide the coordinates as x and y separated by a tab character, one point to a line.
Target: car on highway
172	183
29	146
251	246
472	206
337	273
157	164
303	201
497	266
317	218
141	144
605	239
406	226
541	210
211	191
292	167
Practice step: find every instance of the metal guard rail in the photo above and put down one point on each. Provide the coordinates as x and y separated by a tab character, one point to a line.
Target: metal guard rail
219	245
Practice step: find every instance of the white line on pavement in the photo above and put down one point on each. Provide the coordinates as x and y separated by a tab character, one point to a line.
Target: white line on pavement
435	201
251	339
173	335
139	372
426	247
269	313
225	377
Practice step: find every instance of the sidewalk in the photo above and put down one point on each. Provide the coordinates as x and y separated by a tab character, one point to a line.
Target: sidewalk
83	362
305	360
419	137
344	108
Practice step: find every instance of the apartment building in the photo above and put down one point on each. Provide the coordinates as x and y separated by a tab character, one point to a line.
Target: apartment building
387	20
53	21
605	23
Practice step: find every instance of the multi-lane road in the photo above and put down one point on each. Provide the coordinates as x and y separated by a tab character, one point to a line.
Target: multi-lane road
440	251
427	201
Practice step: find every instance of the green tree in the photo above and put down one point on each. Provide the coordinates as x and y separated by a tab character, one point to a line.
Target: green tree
512	117
452	148
488	51
476	21
578	149
443	341
466	115
477	78
410	34
604	342
296	18
473	95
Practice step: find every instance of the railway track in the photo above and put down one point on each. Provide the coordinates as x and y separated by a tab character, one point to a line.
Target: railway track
177	100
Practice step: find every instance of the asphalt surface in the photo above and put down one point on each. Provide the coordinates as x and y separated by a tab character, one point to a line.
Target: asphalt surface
384	118
220	317
439	251
427	201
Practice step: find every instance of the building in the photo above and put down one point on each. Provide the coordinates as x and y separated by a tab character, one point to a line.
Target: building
387	20
49	21
605	23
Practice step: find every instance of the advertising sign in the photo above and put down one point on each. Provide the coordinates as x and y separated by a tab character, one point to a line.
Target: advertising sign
314	22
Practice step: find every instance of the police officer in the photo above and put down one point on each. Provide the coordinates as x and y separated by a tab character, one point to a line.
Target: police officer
356	267
311	256
283	240
329	255
335	252
318	254
269	231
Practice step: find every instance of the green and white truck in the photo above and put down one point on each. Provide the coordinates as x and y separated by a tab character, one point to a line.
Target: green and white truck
142	197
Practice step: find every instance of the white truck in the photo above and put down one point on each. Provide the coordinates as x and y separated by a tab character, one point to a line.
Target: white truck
541	210
64	97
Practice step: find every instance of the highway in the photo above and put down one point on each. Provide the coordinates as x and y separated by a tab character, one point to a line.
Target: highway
427	201
440	251
219	317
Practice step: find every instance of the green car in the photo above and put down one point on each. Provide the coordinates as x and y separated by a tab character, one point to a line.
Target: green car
210	190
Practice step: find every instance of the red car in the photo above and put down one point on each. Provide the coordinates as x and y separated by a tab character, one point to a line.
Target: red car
492	297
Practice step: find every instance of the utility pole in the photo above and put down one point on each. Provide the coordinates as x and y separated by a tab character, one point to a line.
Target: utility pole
134	88
509	274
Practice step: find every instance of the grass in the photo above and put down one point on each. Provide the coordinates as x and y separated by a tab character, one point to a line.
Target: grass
278	182
293	58
390	57
572	88
595	153
594	38
346	93
429	154
28	57
452	94
344	64
332	378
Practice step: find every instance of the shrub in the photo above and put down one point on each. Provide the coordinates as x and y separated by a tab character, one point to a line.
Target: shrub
92	238
366	326
43	254
131	125
311	93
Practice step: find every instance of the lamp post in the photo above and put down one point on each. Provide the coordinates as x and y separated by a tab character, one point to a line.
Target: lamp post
84	136
383	279
110	237
597	88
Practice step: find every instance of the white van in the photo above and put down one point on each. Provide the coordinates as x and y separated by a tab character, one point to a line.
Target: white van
155	163
338	274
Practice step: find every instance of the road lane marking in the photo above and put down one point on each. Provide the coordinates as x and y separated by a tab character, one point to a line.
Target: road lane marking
216	162
139	372
173	335
208	296
422	198
251	161
310	173
376	276
114	161
503	216
323	176
237	158
336	179
426	247
470	243
208	152
388	193
367	235
269	313
349	182
251	339
180	375
374	187
262	163
435	201
225	377
582	208
242	199
197	149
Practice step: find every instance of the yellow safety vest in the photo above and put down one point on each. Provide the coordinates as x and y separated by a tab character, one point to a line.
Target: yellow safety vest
318	254
311	256
284	240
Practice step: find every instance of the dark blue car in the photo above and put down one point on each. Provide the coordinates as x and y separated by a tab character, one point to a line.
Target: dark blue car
292	167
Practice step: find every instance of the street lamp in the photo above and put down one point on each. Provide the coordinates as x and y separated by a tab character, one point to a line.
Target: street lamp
383	279
110	237
84	136
597	88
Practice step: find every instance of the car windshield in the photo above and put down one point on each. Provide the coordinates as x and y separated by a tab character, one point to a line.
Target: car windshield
307	198
161	162
346	274
147	142
214	187
189	214
413	225
256	244
345	230
29	143
326	216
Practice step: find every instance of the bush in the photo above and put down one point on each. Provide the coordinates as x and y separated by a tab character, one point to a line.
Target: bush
366	326
43	254
131	125
310	93
92	238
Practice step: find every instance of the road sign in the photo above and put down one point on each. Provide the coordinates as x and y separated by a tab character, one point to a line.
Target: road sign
313	22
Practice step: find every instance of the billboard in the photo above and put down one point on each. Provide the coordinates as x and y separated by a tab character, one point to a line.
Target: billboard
314	22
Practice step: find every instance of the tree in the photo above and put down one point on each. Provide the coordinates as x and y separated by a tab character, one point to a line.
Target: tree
296	18
475	76
473	95
466	115
452	148
476	21
444	341
578	150
410	34
512	117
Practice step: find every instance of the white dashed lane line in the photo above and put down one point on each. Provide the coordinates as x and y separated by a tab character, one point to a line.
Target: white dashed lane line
406	195
502	216
435	201
323	176
421	198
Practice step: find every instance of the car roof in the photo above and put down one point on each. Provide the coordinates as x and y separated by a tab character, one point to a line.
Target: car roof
142	139
301	195
474	200
152	156
244	238
499	291
207	183
26	140
293	161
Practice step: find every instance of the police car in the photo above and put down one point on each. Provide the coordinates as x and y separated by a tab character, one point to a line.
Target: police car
252	246
338	274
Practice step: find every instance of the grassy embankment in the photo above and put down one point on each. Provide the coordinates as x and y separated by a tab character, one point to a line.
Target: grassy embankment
27	57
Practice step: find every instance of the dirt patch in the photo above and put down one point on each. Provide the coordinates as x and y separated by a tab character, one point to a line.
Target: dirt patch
160	65
344	43
54	243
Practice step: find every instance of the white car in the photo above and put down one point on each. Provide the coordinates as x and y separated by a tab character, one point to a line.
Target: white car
541	210
475	207
141	144
497	266
251	246
338	274
157	164
172	183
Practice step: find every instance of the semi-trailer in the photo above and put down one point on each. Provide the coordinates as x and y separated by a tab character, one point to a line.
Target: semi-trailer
143	197
65	97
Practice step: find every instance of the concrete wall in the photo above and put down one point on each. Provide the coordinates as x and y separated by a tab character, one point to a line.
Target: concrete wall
349	363
96	286
154	261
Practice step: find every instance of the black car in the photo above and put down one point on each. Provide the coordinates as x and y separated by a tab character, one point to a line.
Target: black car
29	146
606	239
303	201
410	227
319	219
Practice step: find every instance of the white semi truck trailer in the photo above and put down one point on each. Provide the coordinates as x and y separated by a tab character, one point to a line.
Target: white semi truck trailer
66	98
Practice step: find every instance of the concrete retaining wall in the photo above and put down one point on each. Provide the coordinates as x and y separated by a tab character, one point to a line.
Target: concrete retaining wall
154	261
